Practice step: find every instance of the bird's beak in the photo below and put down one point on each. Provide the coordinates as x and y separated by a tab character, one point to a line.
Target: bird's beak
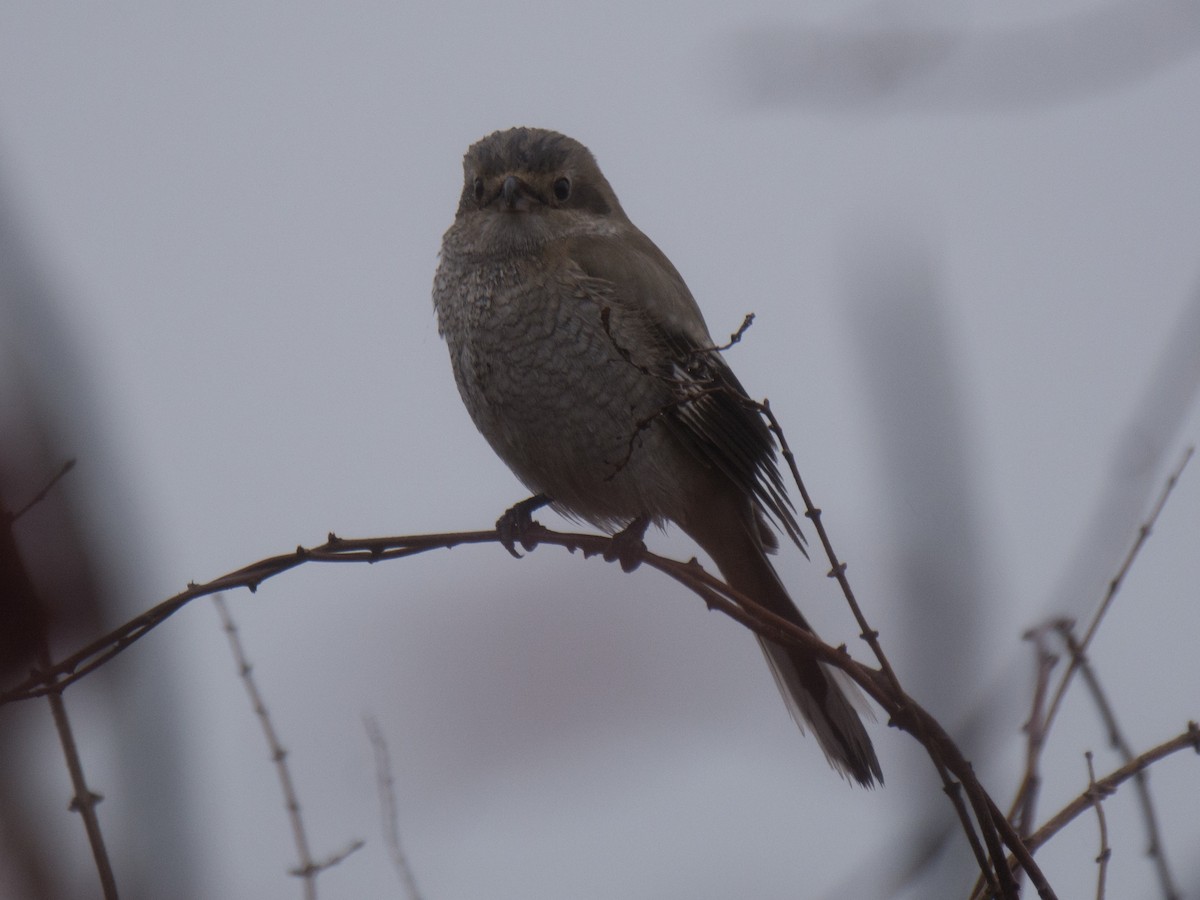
516	194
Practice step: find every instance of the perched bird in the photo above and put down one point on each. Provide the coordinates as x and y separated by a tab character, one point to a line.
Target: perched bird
583	359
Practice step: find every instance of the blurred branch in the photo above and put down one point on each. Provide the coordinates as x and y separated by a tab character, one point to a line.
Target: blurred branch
1115	585
944	66
905	713
40	495
1155	848
991	829
980	802
1025	805
20	593
389	808
1098	794
308	870
1107	786
1039	723
1189	738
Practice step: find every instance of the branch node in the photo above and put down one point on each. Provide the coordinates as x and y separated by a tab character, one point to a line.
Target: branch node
90	799
627	546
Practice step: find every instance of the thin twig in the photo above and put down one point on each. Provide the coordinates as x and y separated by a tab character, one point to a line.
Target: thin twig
1025	806
308	869
1028	787
837	568
1097	795
389	809
1155	847
24	594
1189	738
313	869
1115	585
85	800
40	495
988	827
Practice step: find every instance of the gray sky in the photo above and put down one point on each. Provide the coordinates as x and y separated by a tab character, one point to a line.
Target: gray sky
968	252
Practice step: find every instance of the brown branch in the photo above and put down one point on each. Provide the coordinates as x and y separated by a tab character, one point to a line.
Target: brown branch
992	824
1098	795
1190	737
1155	848
1035	732
22	594
85	800
990	821
905	712
1028	788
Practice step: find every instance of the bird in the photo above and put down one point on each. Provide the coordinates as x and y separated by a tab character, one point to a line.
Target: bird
585	362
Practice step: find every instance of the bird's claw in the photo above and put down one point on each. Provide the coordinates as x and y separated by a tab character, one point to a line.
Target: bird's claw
517	524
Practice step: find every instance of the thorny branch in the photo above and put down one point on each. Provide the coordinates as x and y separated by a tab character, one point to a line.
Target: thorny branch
308	868
994	829
905	712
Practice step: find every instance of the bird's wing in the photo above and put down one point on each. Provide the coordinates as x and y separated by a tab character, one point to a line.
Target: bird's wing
712	416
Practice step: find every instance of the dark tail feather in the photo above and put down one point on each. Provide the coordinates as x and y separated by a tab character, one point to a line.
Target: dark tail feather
809	688
815	698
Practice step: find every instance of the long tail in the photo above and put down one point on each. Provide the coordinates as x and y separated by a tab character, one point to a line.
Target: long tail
809	688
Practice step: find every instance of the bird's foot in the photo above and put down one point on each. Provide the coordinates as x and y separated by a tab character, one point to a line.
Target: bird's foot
517	524
627	546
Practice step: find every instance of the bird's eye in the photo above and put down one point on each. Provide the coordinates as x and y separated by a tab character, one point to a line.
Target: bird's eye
478	189
562	189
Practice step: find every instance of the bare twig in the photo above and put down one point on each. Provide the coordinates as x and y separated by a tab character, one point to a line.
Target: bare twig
1097	795
904	711
1028	787
313	869
837	568
1108	785
389	809
40	495
990	821
85	800
308	869
1155	847
19	583
1118	580
1189	738
736	337
1025	805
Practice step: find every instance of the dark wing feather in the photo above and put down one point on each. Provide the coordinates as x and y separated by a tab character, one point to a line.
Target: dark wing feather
713	416
716	419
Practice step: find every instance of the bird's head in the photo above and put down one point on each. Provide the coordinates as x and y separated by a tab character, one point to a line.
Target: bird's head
535	183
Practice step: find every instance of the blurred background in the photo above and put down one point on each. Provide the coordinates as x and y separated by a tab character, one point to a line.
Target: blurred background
969	234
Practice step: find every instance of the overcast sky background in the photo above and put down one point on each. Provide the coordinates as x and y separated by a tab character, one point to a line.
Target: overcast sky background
969	234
